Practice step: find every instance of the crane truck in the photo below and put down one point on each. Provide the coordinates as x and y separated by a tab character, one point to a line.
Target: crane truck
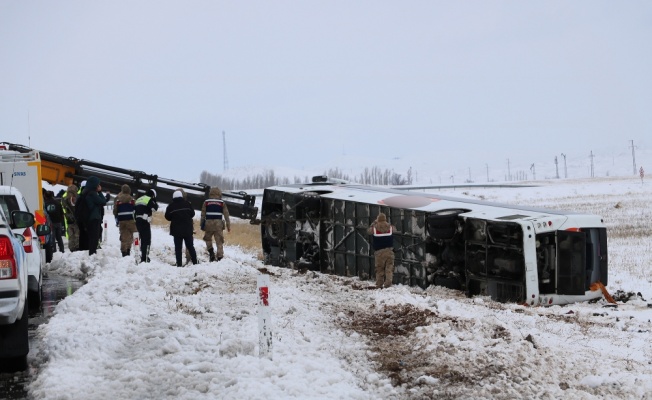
60	170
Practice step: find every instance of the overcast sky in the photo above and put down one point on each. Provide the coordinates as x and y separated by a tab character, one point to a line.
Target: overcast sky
301	83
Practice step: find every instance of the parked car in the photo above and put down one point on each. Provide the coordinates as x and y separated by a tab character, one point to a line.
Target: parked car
11	199
14	299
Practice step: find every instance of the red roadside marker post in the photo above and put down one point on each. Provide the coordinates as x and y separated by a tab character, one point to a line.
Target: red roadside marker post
136	246
264	318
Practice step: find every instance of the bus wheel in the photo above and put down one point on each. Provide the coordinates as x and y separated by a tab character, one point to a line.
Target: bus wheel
273	228
308	200
443	224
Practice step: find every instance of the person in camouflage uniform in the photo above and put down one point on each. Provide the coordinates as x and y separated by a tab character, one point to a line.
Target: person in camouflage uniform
68	205
214	219
123	211
383	243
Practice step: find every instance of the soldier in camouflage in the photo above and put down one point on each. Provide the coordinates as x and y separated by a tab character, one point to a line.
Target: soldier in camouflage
123	211
214	219
68	205
383	243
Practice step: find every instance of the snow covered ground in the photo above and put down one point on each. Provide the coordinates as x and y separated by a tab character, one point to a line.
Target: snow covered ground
159	332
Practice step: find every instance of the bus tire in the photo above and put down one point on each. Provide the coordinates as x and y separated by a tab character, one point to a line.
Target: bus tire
273	228
309	200
443	224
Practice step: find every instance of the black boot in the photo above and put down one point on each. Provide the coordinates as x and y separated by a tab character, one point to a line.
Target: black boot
125	253
211	254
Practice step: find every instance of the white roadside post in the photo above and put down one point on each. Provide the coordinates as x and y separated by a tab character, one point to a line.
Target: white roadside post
106	233
136	245
264	318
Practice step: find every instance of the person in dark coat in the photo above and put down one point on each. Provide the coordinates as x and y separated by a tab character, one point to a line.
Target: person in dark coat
180	214
55	211
95	203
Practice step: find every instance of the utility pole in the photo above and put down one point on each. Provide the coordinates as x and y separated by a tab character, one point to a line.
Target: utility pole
565	169
470	175
509	174
556	168
534	173
226	160
633	156
591	157
487	165
29	131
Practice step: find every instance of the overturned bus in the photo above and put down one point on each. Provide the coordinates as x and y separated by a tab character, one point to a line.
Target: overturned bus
510	253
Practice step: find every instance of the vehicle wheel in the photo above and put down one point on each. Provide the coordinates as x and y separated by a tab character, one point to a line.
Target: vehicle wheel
273	228
14	344
49	252
35	297
309	200
443	224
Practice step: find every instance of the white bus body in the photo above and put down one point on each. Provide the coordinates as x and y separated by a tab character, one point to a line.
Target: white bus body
511	253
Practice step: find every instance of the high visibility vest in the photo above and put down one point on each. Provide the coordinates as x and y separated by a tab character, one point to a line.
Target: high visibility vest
142	209
214	208
383	240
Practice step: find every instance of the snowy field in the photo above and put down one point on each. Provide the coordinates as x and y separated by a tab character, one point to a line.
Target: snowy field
154	331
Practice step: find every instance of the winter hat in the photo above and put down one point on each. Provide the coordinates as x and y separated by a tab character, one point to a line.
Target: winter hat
381	218
215	193
73	188
177	194
126	189
151	193
92	182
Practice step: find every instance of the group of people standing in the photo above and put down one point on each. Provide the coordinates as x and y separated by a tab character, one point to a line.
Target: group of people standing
83	229
135	215
213	221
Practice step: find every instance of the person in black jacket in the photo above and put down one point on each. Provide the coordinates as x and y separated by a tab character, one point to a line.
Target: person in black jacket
55	211
95	203
145	206
180	214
